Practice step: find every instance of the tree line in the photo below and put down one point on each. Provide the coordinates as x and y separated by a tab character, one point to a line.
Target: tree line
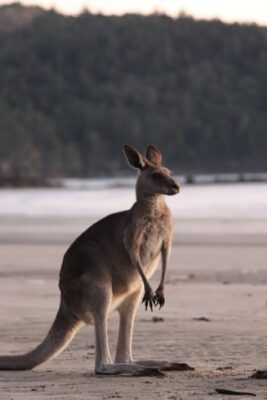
74	89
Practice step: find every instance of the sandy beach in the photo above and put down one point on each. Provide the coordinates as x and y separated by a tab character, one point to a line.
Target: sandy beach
217	270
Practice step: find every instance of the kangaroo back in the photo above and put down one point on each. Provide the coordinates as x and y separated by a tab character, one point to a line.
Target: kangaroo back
61	333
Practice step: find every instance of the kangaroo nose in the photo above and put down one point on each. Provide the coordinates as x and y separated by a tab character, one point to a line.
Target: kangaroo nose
175	186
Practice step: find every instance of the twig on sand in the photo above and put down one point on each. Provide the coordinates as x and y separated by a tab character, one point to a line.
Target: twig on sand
234	392
201	319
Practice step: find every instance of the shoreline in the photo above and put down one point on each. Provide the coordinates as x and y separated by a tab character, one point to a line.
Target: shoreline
119	181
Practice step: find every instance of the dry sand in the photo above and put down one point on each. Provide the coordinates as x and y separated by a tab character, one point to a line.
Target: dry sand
221	276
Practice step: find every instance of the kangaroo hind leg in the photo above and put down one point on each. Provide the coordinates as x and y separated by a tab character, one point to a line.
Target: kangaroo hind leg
103	362
127	313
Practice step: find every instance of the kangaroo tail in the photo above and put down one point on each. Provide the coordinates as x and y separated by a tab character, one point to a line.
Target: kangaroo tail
61	333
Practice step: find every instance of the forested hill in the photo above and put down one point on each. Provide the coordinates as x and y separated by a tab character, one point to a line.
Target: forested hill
74	89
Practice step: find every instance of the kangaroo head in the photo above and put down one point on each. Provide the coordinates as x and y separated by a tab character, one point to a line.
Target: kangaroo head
153	177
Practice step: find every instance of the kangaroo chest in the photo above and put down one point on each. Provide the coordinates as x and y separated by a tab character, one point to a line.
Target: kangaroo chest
152	235
145	235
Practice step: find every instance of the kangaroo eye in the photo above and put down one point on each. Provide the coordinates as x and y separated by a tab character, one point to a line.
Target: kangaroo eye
156	175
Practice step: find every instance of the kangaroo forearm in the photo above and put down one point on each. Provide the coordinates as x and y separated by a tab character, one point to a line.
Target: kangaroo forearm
133	252
164	256
138	265
163	278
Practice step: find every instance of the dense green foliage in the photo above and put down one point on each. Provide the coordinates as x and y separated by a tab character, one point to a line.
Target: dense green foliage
72	90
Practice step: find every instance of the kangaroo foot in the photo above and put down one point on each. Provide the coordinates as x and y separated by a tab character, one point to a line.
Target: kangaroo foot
128	370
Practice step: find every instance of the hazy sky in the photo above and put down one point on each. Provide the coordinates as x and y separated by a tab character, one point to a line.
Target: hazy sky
228	10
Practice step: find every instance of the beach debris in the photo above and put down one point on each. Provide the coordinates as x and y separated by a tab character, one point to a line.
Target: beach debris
201	319
234	392
157	319
38	388
191	276
223	368
175	366
259	375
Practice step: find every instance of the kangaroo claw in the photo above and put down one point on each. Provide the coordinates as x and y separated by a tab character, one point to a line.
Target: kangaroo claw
149	300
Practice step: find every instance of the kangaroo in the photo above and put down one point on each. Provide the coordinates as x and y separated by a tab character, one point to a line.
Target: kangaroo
106	268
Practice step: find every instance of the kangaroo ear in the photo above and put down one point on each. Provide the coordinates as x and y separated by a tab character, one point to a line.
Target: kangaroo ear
153	154
134	158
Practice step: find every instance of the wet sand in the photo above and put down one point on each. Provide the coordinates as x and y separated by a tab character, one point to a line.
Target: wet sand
220	274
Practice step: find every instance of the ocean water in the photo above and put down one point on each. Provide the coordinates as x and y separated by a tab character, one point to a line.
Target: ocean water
237	200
